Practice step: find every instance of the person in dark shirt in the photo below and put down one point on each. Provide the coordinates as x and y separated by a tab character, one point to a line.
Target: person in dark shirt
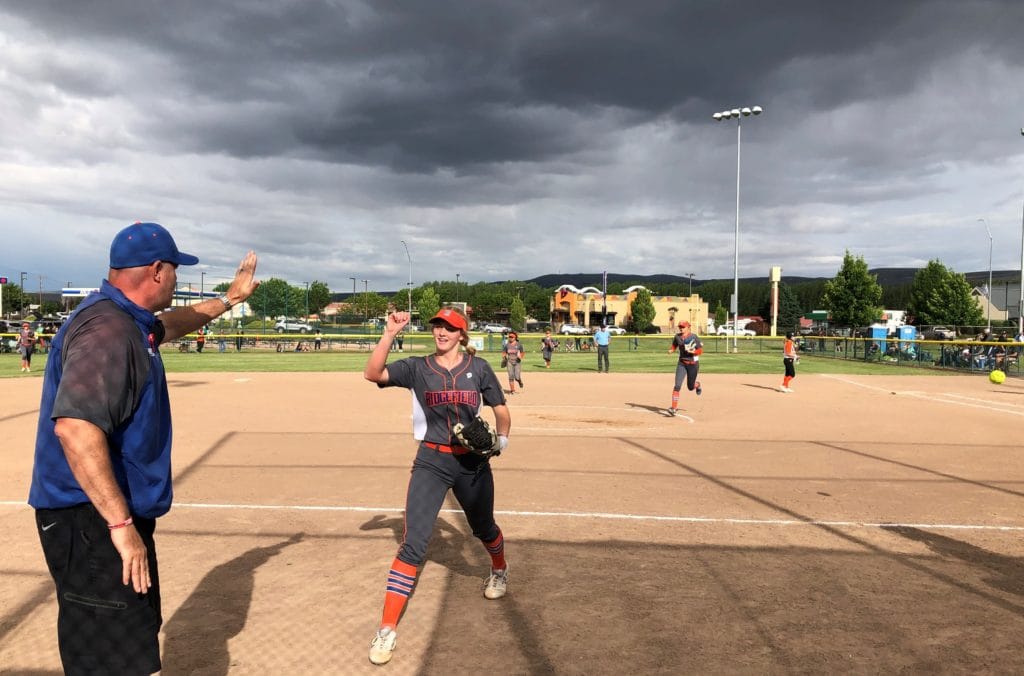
102	469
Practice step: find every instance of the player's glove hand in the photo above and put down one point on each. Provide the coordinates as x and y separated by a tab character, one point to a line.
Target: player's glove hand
480	438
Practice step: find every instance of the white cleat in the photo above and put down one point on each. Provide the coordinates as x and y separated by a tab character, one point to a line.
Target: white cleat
382	647
497	584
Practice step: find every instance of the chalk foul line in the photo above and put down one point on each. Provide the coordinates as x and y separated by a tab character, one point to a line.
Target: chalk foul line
610	516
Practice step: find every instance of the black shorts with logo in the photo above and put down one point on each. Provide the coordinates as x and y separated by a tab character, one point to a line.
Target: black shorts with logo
103	626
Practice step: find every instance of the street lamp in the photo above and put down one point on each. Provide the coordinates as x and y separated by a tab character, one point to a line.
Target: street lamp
690	275
353	303
738	114
410	276
1020	306
988	291
456	287
21	303
366	298
202	285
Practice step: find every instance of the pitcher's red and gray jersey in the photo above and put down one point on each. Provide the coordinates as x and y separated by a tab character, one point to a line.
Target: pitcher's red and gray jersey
442	398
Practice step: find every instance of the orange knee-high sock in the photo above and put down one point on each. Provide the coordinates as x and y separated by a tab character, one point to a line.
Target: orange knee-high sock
496	548
401	580
675	399
785	381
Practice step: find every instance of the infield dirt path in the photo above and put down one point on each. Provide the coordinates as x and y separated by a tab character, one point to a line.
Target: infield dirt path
861	524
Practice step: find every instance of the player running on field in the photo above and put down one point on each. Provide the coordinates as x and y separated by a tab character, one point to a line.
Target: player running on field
448	387
512	355
789	359
690	348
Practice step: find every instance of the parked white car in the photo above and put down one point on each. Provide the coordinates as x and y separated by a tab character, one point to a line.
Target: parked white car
616	330
494	328
574	330
292	326
727	330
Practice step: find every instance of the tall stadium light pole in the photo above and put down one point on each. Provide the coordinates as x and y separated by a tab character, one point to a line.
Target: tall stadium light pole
21	303
352	305
1020	306
366	297
456	287
738	114
690	275
988	291
410	276
202	285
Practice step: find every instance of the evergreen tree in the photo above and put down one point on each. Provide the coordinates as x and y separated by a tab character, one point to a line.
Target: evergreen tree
642	310
517	315
852	297
789	309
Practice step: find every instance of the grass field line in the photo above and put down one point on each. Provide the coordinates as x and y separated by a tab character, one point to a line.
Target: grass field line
608	516
951	398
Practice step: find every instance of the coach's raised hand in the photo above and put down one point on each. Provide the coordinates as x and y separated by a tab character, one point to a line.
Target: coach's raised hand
244	283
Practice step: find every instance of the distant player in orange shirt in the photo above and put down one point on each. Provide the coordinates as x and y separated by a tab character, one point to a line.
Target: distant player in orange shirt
789	359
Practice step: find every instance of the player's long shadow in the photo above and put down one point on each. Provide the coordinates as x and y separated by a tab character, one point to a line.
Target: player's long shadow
196	637
1009	570
647	407
761	387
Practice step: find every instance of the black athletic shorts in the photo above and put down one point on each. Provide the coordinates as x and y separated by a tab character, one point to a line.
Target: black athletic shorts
103	626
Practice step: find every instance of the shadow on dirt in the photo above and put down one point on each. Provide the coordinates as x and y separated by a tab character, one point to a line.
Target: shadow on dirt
196	637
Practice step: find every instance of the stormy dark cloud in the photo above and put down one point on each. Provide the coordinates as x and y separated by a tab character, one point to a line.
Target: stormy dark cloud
511	139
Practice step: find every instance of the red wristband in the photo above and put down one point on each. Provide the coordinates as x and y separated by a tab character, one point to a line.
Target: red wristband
115	526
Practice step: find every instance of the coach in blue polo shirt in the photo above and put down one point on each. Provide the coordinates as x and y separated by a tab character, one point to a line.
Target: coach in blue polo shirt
102	471
602	337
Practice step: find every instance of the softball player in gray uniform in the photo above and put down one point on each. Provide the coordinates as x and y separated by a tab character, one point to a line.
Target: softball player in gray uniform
690	349
448	387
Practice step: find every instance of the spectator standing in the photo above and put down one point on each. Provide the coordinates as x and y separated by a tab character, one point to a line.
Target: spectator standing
239	339
200	339
602	338
317	338
102	468
26	346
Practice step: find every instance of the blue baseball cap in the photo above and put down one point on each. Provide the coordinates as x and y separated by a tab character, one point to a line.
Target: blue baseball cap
143	243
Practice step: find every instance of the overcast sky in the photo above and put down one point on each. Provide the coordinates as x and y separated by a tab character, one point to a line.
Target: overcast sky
509	139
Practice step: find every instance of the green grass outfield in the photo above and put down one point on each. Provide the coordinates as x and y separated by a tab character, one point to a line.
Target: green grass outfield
759	356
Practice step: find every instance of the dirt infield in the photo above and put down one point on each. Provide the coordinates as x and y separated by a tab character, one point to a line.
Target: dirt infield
861	524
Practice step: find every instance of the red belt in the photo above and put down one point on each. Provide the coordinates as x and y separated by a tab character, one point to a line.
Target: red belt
454	450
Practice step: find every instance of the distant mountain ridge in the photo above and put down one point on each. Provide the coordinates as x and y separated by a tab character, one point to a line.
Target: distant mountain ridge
886	277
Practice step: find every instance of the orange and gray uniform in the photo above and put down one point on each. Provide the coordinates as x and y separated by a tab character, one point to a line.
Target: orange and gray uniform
442	398
514	352
690	348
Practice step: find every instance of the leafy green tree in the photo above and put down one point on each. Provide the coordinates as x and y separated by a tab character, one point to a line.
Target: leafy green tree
642	310
319	296
721	314
14	299
428	303
852	297
938	295
517	314
271	298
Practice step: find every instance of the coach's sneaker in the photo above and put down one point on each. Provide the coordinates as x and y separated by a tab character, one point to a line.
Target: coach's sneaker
497	584
382	647
698	387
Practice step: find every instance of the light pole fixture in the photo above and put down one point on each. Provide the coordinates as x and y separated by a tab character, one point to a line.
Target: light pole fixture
353	303
202	285
988	289
366	297
1020	305
21	303
456	287
690	275
737	114
410	277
